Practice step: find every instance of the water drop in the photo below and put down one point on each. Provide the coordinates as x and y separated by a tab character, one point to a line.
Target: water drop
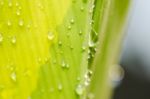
9	23
79	90
17	4
13	76
69	27
21	23
60	43
91	43
60	87
50	36
18	12
13	40
72	21
1	38
82	8
80	33
63	64
83	48
10	4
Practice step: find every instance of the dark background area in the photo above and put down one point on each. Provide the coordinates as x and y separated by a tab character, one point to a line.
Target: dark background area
132	87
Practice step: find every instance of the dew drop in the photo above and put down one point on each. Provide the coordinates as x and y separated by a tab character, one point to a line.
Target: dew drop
13	40
79	90
60	87
80	33
18	12
69	27
17	4
72	21
63	64
83	48
50	36
1	38
13	76
9	23
60	43
21	23
10	4
82	8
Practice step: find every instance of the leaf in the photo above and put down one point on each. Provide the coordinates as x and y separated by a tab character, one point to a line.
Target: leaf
43	48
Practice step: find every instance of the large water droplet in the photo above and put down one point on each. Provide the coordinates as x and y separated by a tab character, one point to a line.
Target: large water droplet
50	36
79	90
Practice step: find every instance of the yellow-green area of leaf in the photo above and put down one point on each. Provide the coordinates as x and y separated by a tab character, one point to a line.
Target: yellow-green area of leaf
27	29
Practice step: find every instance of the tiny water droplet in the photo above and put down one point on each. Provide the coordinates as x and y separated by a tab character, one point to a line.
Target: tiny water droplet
21	23
50	36
60	87
17	4
82	8
83	48
69	27
60	43
13	76
72	21
18	12
80	33
63	64
1	38
79	90
13	40
9	23
91	43
10	4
